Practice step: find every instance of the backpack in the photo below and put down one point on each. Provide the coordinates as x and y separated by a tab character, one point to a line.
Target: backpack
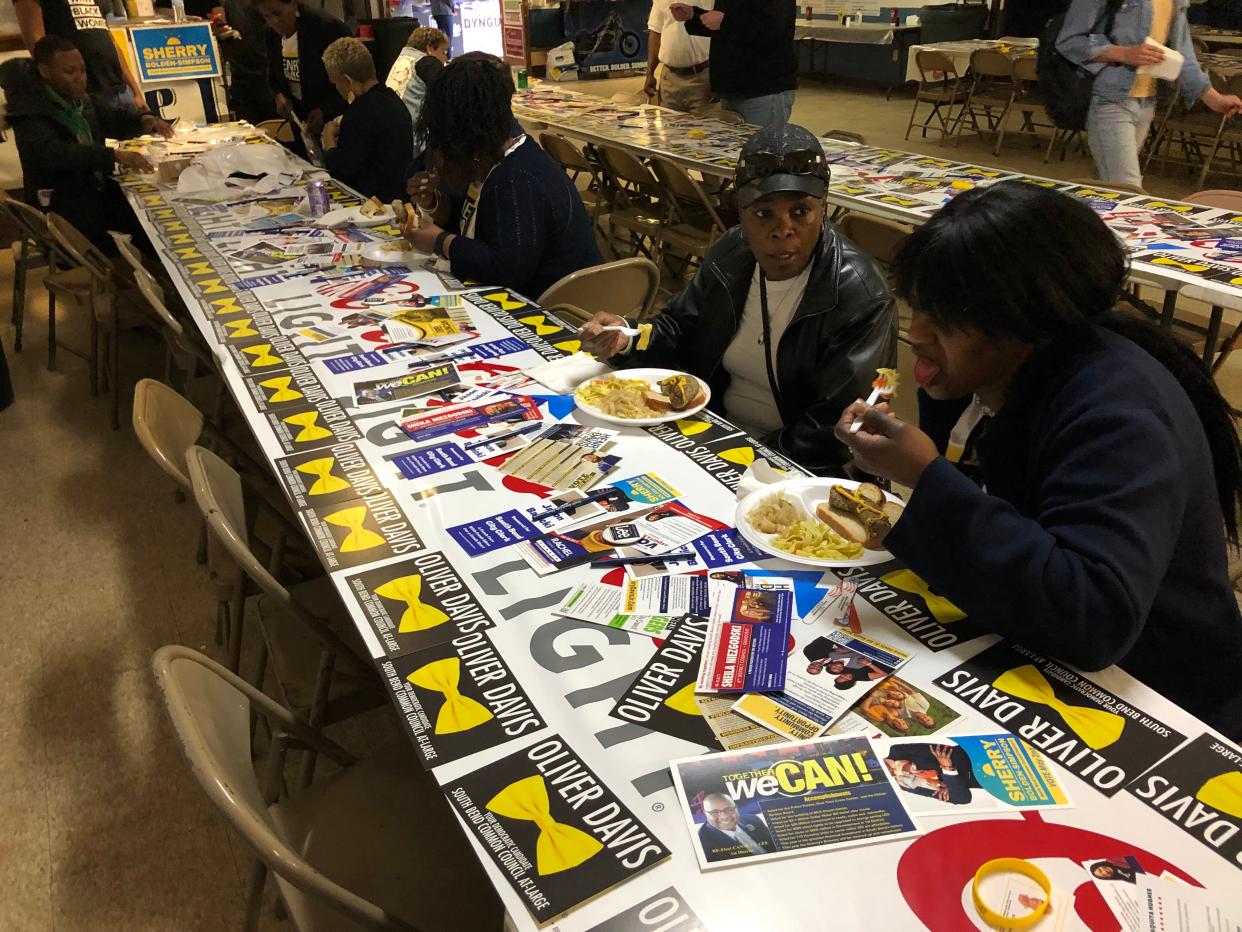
1065	86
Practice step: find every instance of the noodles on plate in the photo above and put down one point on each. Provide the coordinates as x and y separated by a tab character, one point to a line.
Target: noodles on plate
618	397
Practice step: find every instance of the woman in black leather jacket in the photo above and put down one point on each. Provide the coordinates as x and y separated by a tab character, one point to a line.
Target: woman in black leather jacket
784	277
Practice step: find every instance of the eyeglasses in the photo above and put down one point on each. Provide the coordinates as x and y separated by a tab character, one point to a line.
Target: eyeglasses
759	165
719	812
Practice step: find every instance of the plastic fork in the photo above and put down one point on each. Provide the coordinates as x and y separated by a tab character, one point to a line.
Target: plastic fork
884	386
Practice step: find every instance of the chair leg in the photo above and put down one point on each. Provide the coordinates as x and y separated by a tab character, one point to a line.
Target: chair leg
114	362
51	331
913	111
1207	164
222	619
1002	125
237	617
323	684
1226	349
1213	333
19	297
254	896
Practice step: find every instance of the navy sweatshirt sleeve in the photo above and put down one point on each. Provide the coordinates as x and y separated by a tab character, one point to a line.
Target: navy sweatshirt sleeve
510	232
1077	578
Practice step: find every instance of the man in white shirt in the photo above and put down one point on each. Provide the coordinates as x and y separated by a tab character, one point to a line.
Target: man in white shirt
683	82
725	835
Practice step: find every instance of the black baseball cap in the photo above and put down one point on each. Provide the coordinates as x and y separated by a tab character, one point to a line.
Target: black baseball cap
781	157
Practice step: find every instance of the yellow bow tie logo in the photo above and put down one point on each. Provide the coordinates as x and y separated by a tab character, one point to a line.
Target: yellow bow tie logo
1223	793
359	537
418	616
683	701
941	608
459	713
742	456
569	346
1097	728
280	390
539	322
1184	266
505	300
325	482
261	356
241	328
689	428
310	430
560	846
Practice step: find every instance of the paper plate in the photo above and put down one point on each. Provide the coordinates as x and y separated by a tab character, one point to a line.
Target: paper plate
651	376
352	216
805	494
408	256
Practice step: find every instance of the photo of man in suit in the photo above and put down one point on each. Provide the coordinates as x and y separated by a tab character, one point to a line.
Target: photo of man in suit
727	834
941	771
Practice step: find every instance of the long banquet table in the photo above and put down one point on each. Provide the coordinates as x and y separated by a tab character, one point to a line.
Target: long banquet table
271	330
1172	243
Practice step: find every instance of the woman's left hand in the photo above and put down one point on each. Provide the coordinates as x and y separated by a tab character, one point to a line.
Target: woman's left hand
421	236
885	446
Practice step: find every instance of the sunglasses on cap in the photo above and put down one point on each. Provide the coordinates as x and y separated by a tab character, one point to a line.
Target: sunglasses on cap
756	166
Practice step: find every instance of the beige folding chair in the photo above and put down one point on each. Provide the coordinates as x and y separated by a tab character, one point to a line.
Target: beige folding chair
1192	128
636	206
65	279
569	313
721	115
939	85
300	647
1227	134
280	130
374	846
991	96
1029	102
595	195
626	287
693	223
879	238
845	135
110	307
28	253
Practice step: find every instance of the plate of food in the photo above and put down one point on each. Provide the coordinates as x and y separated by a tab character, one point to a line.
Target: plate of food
393	252
370	213
642	397
820	522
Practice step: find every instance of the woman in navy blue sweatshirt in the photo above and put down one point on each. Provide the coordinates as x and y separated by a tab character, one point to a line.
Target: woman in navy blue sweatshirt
1107	463
501	211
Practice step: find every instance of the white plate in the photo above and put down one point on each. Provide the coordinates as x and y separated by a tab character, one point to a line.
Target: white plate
352	216
408	256
804	493
651	377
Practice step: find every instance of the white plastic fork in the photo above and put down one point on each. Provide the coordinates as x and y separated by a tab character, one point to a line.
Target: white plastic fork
617	328
877	392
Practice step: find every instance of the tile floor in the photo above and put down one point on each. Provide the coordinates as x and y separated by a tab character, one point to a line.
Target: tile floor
102	826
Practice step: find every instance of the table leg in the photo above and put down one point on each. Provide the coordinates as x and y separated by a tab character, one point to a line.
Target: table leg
1167	312
1213	334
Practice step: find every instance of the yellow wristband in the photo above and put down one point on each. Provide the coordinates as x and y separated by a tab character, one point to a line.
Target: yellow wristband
1010	866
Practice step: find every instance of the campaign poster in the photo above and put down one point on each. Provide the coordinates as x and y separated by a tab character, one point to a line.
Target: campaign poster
360	530
417	603
971	773
902	597
554	830
184	52
661	697
327	476
666	911
1061	713
1199	789
747	642
786	799
459	697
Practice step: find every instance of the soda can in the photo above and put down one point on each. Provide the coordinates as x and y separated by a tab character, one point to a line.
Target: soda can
521	81
317	196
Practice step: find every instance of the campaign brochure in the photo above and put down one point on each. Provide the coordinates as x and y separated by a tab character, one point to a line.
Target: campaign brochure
1199	789
971	773
1145	902
560	511
733	733
599	604
898	709
560	550
430	423
666	911
553	829
458	697
788	799
671	527
1073	721
417	603
565	456
430	325
746	643
410	385
828	672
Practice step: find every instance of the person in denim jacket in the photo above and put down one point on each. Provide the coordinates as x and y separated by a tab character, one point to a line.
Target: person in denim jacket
1123	101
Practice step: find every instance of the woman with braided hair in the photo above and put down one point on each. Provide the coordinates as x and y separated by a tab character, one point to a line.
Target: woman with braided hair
494	205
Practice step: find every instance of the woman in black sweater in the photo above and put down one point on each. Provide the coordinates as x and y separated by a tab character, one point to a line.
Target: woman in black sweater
1109	463
496	206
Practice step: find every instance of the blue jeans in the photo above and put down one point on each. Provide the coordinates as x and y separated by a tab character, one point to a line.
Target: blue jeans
761	109
1115	132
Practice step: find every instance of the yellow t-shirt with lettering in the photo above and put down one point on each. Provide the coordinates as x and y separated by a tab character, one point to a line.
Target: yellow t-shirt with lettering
1161	22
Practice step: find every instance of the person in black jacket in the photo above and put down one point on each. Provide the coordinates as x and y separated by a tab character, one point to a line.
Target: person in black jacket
497	208
370	146
242	37
753	62
1110	465
60	132
786	319
296	39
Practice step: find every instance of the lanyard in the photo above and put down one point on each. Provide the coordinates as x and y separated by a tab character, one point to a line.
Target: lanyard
767	339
